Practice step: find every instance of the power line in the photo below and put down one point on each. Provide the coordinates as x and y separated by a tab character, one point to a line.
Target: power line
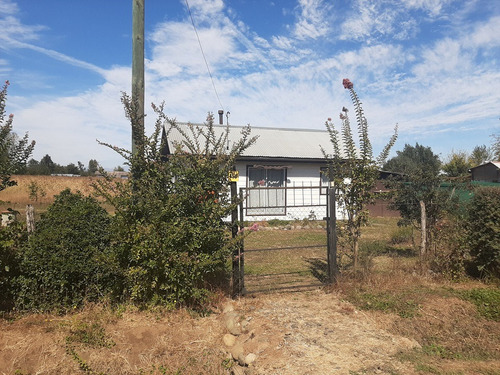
203	54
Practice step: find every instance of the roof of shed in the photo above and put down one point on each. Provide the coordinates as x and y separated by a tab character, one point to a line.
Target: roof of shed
271	142
495	163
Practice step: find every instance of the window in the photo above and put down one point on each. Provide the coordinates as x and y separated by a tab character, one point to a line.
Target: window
266	193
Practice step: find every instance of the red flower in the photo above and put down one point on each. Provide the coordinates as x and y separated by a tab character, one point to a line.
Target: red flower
329	119
347	84
342	117
7	82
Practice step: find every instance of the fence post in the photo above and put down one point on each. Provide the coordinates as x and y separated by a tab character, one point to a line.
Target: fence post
30	218
333	270
241	248
234	234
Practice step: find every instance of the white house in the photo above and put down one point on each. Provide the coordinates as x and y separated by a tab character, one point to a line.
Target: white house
281	174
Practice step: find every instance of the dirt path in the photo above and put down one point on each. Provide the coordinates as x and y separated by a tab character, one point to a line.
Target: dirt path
291	334
317	333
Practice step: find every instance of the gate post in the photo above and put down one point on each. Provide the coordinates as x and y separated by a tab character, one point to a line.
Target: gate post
241	248
236	277
333	269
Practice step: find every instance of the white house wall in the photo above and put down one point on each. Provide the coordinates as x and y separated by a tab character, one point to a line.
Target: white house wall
297	175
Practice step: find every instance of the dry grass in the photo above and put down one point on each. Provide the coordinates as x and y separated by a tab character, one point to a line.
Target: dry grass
134	343
17	197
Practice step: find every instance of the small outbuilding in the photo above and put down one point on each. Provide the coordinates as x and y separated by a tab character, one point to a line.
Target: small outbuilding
487	172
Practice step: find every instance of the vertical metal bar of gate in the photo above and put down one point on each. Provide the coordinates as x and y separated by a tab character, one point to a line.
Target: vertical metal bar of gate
236	250
241	247
333	270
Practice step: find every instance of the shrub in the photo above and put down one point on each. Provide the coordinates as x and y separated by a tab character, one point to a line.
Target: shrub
483	235
67	259
450	256
12	238
169	232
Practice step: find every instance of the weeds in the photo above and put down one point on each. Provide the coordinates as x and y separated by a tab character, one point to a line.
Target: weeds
487	302
386	302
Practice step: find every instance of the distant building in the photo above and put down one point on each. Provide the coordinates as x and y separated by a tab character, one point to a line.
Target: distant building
487	172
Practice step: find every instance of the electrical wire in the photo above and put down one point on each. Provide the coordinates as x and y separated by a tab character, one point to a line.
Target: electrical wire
203	54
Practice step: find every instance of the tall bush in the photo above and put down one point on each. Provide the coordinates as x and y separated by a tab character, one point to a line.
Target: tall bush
67	260
169	231
483	236
353	170
12	238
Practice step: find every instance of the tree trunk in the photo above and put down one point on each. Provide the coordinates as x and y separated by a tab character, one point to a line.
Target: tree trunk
356	248
423	230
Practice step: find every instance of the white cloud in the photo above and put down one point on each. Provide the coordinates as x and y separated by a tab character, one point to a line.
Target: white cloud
7	7
433	7
206	9
313	19
485	35
283	80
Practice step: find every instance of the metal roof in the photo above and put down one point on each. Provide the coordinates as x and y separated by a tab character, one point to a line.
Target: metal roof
495	163
271	142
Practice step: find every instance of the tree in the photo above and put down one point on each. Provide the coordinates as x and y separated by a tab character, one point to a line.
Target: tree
71	169
480	155
354	172
169	232
458	164
93	166
417	195
14	151
47	166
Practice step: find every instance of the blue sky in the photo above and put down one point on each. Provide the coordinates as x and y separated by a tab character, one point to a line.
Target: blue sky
432	66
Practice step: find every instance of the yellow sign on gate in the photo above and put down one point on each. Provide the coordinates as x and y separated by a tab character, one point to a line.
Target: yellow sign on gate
234	176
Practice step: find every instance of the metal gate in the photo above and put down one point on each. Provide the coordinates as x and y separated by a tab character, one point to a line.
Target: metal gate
286	239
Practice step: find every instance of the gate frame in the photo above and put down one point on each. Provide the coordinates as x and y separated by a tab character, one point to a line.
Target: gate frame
238	256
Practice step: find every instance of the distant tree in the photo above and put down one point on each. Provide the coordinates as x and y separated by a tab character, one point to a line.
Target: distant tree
47	166
417	191
480	155
354	171
81	168
33	167
71	169
14	151
119	169
93	166
457	165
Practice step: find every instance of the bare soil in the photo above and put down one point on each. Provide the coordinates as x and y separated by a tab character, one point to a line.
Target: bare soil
313	332
298	333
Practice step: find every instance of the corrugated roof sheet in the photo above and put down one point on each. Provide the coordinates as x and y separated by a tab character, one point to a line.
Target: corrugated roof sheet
495	163
273	142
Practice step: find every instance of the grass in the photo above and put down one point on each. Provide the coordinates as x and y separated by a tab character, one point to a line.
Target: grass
487	301
456	323
17	197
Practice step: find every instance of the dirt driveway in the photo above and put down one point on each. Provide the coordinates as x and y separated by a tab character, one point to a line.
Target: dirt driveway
295	333
317	333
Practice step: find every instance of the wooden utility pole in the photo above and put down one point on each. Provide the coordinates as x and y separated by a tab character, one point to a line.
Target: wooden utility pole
137	73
